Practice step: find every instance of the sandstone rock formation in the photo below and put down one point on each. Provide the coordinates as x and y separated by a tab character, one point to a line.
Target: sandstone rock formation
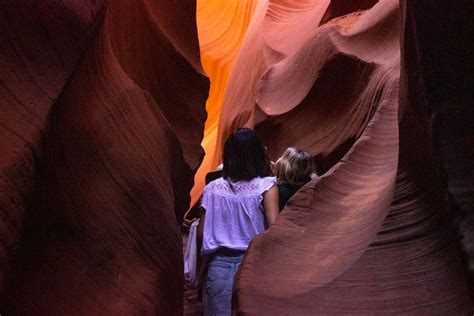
439	86
377	220
222	26
102	116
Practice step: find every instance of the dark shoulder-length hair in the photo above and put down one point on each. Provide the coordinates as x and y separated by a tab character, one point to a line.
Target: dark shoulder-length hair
245	156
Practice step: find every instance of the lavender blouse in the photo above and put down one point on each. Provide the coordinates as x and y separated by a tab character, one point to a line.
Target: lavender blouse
234	212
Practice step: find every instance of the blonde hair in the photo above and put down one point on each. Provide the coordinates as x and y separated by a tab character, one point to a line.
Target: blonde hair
294	167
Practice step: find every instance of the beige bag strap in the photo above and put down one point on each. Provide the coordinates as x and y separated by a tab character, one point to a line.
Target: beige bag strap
188	221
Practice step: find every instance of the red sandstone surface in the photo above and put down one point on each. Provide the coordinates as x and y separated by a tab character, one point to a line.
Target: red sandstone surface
102	117
102	111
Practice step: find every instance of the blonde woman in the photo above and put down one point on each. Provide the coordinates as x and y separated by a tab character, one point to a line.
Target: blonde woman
293	169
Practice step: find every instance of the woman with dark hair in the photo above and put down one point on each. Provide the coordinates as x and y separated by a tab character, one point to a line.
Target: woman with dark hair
237	207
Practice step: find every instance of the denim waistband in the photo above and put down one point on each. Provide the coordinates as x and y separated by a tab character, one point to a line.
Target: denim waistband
227	252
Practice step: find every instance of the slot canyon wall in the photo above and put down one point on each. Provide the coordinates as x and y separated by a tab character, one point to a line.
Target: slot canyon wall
325	77
102	113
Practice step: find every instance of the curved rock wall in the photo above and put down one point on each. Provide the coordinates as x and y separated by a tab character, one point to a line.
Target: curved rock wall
373	233
222	25
438	86
42	44
104	114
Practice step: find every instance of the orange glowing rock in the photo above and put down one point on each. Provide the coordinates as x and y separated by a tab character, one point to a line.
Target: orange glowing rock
222	25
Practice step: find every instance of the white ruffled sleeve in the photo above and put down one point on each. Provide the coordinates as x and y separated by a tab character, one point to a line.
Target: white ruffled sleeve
205	197
267	183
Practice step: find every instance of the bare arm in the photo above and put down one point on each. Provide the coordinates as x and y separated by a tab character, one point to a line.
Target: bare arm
270	204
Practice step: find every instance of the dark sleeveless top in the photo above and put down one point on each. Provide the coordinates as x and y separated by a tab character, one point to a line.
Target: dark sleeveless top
286	191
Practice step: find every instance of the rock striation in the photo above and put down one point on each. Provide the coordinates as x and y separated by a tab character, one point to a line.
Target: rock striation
102	116
373	233
104	108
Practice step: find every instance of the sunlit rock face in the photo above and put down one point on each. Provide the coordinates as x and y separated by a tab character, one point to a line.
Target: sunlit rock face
222	26
373	233
102	110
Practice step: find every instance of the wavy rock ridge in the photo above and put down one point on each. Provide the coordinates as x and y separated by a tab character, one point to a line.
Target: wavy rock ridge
324	76
106	162
102	116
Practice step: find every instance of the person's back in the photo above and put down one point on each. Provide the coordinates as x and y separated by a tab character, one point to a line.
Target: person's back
234	210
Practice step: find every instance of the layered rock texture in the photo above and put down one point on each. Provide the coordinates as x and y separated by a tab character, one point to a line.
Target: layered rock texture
222	26
375	233
102	115
103	110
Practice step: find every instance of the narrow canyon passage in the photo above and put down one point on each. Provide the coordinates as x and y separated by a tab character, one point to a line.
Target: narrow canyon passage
108	107
337	107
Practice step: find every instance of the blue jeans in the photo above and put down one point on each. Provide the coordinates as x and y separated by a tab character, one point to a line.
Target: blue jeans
217	291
